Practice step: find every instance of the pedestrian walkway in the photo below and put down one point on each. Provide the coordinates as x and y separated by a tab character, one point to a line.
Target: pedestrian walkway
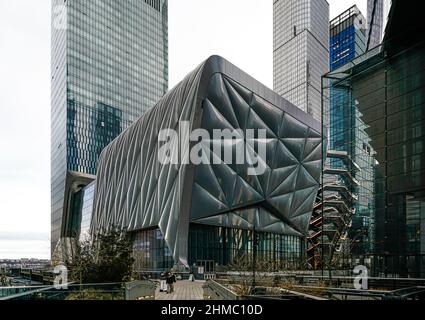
183	290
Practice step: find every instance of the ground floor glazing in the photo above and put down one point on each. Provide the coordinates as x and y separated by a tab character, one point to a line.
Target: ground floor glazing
221	248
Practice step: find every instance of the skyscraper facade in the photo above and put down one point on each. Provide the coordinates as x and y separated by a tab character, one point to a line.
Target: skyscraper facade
347	206
348	131
347	37
375	22
301	51
387	86
109	65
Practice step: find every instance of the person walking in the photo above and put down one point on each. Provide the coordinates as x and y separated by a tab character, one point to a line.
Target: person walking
173	280
192	273
170	282
167	281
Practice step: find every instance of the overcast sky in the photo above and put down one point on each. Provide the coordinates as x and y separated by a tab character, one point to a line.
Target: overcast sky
239	30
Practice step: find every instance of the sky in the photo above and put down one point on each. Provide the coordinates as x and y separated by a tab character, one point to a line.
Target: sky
239	30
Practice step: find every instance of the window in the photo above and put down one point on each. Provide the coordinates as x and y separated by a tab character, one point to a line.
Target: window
154	4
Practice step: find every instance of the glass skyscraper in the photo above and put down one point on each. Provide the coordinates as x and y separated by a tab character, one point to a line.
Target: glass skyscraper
347	133
375	22
109	65
387	86
301	51
347	37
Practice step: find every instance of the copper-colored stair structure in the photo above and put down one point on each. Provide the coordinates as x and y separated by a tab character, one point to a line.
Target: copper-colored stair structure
333	210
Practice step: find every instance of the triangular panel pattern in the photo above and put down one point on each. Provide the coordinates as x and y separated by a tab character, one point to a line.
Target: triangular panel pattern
136	191
292	172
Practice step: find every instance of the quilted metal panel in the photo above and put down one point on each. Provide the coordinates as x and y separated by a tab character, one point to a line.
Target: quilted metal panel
135	191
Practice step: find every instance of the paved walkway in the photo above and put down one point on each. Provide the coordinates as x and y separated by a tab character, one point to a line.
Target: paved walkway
183	290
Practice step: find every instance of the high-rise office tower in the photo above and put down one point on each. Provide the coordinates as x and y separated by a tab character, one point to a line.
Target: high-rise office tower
301	51
347	37
109	64
375	22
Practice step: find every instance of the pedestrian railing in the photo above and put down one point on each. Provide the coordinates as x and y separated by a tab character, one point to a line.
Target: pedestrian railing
6	293
215	291
210	276
137	290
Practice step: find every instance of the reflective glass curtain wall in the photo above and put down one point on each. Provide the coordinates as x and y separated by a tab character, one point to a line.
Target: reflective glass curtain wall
347	37
375	11
151	252
86	212
300	51
223	247
389	90
116	70
234	247
347	134
109	65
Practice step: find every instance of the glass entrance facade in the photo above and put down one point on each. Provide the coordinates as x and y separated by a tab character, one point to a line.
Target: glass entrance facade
232	248
150	251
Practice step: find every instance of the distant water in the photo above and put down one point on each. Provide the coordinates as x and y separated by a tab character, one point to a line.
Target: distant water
17	249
